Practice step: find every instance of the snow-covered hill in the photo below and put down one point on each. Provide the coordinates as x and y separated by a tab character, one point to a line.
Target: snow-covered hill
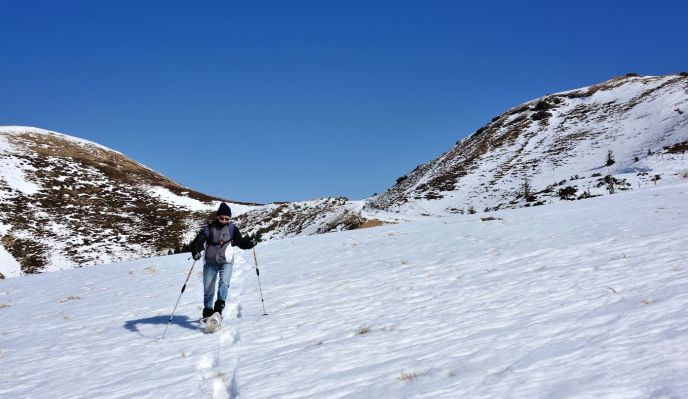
66	202
319	216
584	299
554	142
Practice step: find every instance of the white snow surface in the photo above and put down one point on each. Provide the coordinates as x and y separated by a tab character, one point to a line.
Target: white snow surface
186	202
13	170
9	267
192	204
30	129
585	299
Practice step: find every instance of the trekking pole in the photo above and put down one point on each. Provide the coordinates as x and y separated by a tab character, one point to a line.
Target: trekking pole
180	297
255	260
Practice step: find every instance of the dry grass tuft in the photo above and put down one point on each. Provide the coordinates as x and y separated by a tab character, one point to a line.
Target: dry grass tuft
70	299
371	223
408	376
151	269
363	330
489	218
4	305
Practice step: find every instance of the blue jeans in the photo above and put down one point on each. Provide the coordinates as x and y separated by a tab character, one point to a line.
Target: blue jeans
210	272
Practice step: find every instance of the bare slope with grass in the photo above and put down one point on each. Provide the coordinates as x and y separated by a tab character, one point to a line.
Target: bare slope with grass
66	201
562	141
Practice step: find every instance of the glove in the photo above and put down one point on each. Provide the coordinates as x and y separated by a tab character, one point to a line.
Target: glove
250	242
195	255
247	243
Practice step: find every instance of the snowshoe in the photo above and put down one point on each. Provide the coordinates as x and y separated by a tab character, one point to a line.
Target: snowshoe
213	323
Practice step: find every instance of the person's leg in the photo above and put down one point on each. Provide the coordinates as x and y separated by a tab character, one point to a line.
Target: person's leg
223	287
209	279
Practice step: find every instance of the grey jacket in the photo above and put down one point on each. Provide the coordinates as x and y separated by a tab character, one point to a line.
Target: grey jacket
216	239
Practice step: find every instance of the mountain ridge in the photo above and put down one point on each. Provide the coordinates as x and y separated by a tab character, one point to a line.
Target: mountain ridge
549	149
68	201
579	124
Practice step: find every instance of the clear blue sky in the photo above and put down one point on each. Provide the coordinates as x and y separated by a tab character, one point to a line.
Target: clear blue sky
287	100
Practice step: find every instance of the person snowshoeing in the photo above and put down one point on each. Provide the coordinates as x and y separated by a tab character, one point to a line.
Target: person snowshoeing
216	238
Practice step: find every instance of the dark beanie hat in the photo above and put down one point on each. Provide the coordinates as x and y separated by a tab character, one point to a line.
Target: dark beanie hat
224	210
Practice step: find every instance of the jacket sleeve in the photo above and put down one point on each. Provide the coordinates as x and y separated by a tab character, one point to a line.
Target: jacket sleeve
197	245
239	241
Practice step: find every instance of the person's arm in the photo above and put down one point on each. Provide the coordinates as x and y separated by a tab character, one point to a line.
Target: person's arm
242	242
197	245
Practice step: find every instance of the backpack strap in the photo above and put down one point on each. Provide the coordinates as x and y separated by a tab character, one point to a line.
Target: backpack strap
206	231
231	228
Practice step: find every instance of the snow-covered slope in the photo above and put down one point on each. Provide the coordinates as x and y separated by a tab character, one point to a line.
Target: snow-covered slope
584	299
67	202
551	149
322	215
557	141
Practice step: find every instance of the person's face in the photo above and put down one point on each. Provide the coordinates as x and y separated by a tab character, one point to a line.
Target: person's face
223	219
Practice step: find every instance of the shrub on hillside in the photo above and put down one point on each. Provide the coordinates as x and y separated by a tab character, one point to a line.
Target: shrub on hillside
540	115
678	148
542	105
567	193
586	194
610	158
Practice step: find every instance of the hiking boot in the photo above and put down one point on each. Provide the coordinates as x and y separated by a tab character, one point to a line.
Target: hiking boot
207	312
219	306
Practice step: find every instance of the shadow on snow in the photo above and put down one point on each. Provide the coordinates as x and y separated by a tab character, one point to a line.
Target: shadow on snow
181	321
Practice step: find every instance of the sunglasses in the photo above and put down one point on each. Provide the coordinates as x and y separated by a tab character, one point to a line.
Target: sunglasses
223	218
